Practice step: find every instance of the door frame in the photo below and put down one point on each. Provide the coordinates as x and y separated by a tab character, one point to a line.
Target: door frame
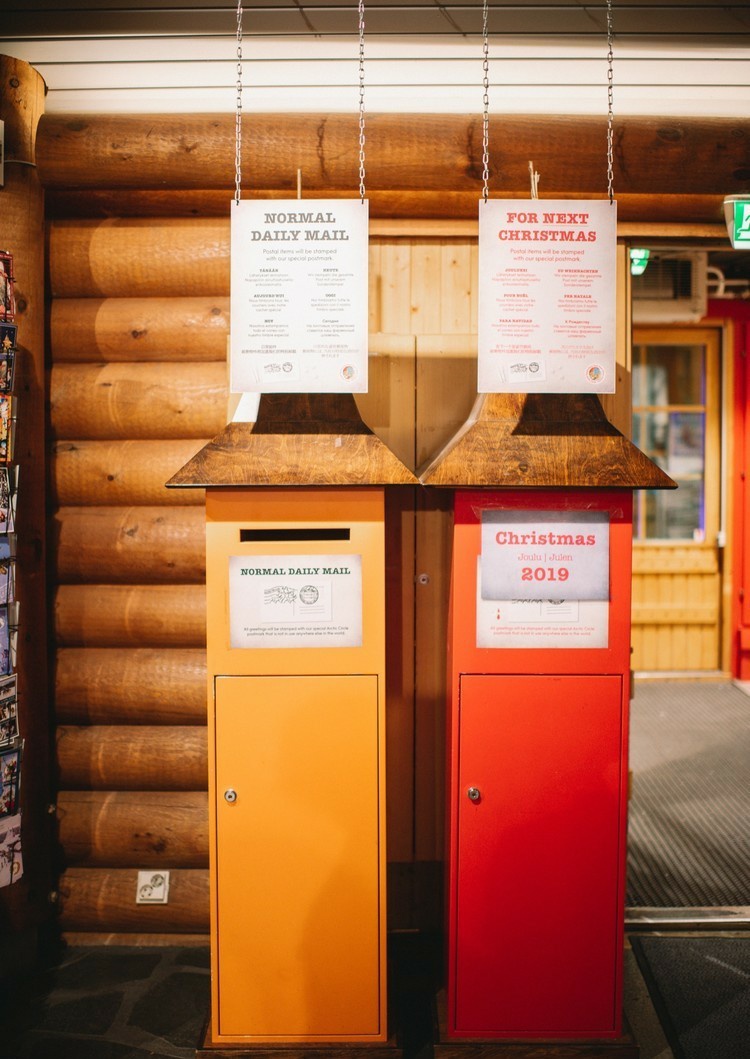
721	442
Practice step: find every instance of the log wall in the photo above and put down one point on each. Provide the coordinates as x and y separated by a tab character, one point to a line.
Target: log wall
139	322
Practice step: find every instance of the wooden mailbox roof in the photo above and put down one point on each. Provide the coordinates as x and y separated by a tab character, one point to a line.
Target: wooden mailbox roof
298	439
542	440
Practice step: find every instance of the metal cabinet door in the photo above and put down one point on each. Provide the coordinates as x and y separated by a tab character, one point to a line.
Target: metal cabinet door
540	856
298	883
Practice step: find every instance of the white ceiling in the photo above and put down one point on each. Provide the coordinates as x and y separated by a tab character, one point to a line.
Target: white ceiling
671	57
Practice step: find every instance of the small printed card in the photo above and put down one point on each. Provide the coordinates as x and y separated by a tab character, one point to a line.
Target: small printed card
11	860
10	777
8	710
8	334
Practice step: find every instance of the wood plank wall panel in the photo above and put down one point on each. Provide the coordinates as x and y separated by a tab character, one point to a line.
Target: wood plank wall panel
676	624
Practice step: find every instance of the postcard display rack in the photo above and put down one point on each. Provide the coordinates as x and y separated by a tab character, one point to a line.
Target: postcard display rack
11	744
295	579
539	655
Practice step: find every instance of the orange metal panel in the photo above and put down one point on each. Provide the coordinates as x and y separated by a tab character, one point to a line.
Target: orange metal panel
360	511
300	928
298	912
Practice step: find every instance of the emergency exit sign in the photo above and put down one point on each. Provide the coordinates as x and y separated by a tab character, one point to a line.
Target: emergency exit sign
741	234
737	216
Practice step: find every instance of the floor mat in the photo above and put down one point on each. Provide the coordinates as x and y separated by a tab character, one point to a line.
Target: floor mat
700	987
690	758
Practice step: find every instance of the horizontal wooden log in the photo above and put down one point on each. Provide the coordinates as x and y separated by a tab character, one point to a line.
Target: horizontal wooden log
121	472
104	899
134	829
404	151
139	257
414	205
162	400
117	251
124	329
100	685
135	545
132	758
130	615
77	938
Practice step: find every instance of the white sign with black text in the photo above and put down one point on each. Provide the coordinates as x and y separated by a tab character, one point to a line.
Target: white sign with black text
295	601
299	288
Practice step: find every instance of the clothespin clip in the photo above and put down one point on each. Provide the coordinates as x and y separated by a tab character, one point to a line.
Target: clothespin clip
534	178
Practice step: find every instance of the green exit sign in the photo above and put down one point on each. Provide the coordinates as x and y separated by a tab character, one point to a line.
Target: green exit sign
737	217
740	234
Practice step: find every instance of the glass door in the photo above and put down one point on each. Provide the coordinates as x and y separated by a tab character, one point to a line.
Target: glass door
676	561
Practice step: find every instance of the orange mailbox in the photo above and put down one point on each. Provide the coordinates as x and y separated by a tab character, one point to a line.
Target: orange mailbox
539	651
296	679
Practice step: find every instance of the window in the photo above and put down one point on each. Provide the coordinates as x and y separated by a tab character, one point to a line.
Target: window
672	420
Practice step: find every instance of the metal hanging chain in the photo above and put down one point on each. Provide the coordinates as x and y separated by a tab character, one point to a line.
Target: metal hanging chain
238	113
610	98
485	105
362	100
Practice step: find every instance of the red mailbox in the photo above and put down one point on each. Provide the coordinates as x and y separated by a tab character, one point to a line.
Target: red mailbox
539	652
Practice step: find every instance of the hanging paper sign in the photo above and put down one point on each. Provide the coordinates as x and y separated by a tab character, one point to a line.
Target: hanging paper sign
547	296
295	601
551	555
299	296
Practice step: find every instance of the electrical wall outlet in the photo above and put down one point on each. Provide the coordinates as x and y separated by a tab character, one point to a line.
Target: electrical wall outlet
153	888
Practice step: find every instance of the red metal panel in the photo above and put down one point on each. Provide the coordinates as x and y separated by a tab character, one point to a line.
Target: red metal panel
467	657
540	857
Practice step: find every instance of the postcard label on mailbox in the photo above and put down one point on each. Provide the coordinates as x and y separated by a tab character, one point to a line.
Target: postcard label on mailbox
295	601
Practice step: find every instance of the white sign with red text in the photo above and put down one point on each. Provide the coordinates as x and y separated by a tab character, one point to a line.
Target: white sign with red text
547	296
551	555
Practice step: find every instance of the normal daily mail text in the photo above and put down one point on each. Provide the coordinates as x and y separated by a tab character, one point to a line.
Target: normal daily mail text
295	601
299	296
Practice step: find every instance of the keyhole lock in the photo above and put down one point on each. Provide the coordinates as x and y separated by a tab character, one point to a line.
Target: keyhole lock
230	796
474	794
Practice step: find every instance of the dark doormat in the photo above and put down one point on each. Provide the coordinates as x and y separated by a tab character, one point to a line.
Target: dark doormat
700	987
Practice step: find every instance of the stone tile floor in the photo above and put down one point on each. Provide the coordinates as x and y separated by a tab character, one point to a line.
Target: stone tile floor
112	1002
126	1002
